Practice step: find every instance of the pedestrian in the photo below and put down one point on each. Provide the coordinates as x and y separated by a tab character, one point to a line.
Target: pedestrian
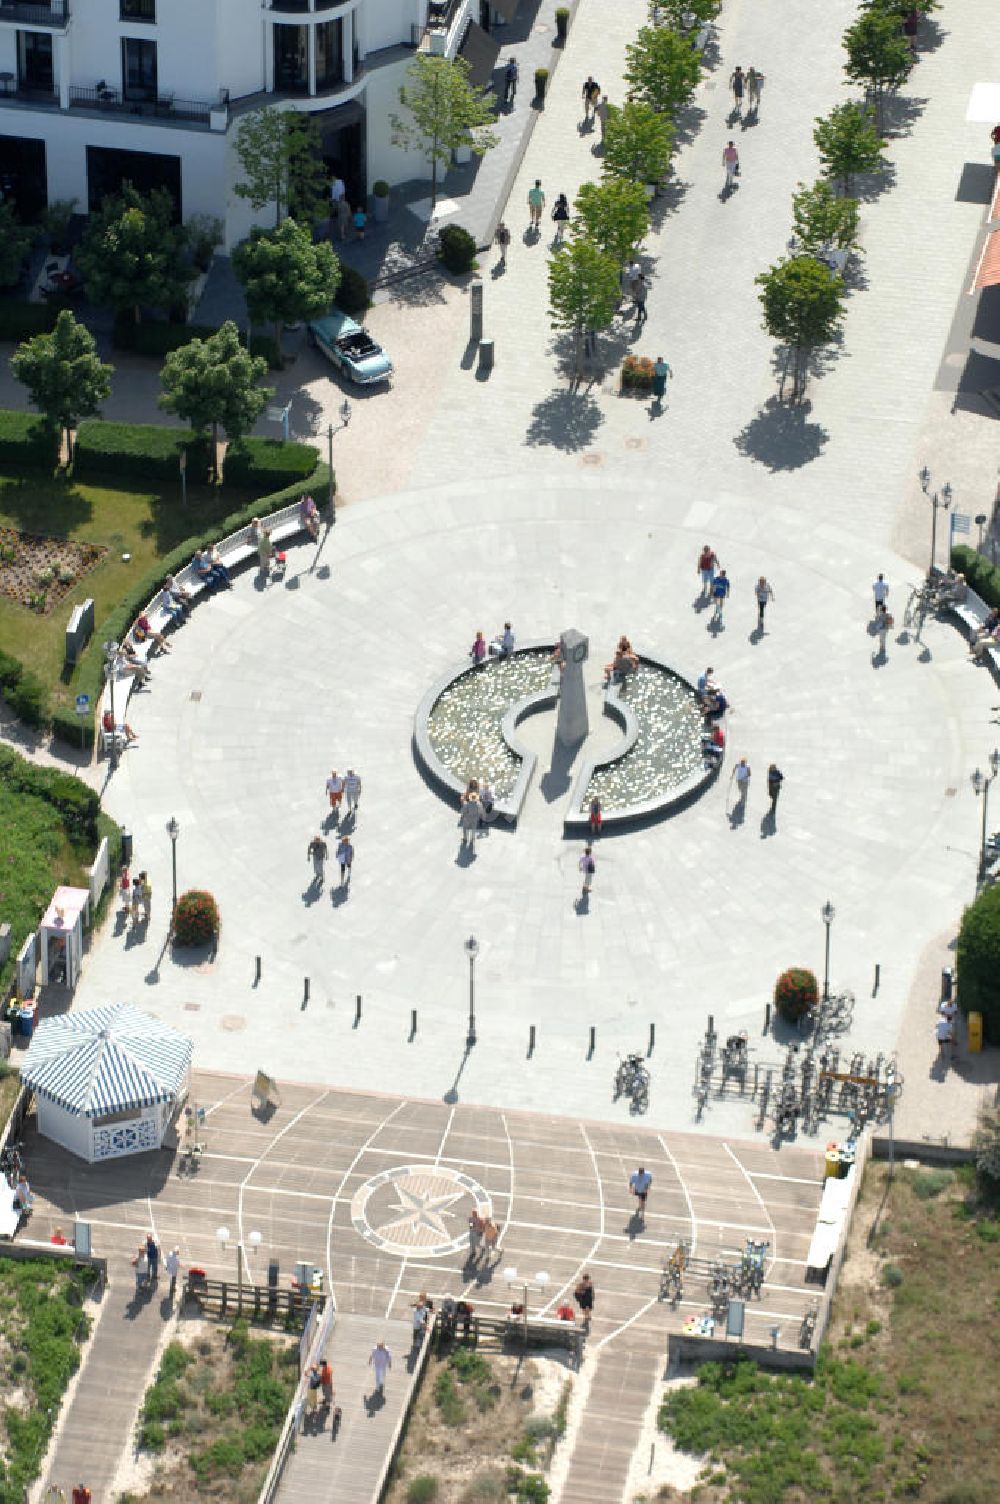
338	191
315	1385
591	95
731	162
596	817
265	550
640	288
344	219
145	897
536	203
737	81
720	590
81	1495
420	1318
639	1182
352	791
503	241
124	889
491	1241
317	852
510	80
764	593
172	1264
141	1266
661	371
880	590
345	856
587	866
708	563
476	1225
741	773
601	110
335	789
136	898
755	82
469	817
560	215
945	1031
380	1359
153	1258
775	778
584	1297
487	801
360	221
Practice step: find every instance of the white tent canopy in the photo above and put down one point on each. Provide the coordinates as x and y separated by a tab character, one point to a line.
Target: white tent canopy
107	1080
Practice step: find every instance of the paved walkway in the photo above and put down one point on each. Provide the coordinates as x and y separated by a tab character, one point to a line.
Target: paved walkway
625	1377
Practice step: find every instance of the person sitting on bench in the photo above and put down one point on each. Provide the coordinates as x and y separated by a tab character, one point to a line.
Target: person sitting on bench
625	662
715	705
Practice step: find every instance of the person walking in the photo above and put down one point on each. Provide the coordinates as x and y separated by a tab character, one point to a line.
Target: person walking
775	778
764	593
469	818
502	238
880	590
380	1359
345	856
265	551
588	867
420	1318
81	1495
145	897
944	1030
326	1382
536	203
737	82
136	897
317	852
720	590
510	75
755	82
491	1241
335	790
315	1385
476	1225
352	791
596	816
731	162
591	94
639	1183
152	1258
601	110
584	1297
560	215
741	773
344	220
141	1266
708	563
640	289
172	1265
360	222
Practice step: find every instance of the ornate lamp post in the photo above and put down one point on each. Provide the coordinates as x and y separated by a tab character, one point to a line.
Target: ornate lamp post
938	499
472	951
253	1243
173	831
345	418
828	913
981	783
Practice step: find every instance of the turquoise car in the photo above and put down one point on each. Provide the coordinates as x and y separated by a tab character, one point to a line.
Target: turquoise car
350	348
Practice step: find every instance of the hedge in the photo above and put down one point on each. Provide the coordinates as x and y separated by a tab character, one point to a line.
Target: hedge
353	293
254	464
148	451
20	320
78	805
981	576
158	339
978	958
24	692
25	441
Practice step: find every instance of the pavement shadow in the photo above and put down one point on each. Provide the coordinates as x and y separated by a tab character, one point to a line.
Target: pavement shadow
465	856
635	1225
374	1402
582	905
769	825
900	114
554	783
782	437
566	420
756	636
868	186
313	893
738	814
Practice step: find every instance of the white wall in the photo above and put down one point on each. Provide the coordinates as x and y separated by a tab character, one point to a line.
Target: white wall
381	100
386	22
72	1131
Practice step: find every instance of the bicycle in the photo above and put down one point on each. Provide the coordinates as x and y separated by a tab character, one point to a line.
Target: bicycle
808	1327
630	1070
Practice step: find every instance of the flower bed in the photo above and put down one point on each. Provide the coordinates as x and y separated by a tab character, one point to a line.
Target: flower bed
637	375
37	572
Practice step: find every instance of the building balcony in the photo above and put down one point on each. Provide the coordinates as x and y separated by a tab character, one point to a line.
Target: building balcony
165	108
39	96
54	14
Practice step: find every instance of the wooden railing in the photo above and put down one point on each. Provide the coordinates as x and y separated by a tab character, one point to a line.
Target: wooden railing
256	1302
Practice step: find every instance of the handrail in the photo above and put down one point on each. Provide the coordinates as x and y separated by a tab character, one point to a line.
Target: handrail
296	1408
404	1415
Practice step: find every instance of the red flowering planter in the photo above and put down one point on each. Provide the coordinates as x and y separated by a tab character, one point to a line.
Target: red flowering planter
796	993
196	919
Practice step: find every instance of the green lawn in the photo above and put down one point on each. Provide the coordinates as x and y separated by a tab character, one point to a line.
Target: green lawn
146	524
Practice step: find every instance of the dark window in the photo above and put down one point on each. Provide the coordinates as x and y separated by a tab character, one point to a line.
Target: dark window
329	54
138	68
23	177
291	60
138	10
108	170
34	61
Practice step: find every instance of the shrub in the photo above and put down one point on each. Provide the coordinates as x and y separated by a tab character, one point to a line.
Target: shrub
978	956
929	1183
891	1276
488	1486
266	464
353	294
26	442
986	1142
152	1436
457	249
380	188
422	1490
795	993
146	451
158	339
448	1401
637	373
981	575
196	918
20	320
78	806
24	692
468	1366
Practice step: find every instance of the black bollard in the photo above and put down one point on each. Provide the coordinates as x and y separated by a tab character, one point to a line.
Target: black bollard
767	1017
357	1010
305	991
652	1040
531	1040
593	1042
413	1024
256	971
878	973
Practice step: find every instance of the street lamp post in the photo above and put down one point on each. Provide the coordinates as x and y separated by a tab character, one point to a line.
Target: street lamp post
253	1243
345	418
472	951
828	913
937	499
173	831
110	656
518	1282
981	783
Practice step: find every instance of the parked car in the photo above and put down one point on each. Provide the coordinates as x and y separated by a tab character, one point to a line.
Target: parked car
350	348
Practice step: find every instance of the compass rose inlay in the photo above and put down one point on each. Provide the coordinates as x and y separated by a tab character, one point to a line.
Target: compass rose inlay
418	1209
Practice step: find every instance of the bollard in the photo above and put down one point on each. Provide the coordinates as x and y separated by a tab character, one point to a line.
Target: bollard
413	1023
767	1017
878	973
652	1040
475	311
357	1010
593	1042
756	1076
531	1040
256	971
305	991
711	1025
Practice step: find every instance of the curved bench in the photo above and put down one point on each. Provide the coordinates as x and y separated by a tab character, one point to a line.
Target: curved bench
970	616
235	551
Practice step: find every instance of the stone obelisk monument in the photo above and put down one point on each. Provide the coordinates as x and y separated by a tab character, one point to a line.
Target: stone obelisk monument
572	724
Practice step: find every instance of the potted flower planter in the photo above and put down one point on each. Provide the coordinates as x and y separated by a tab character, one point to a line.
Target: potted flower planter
380	200
562	23
541	79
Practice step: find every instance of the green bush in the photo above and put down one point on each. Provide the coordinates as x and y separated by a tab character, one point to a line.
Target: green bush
77	730
981	576
157	339
263	464
978	956
448	1400
891	1276
457	249
470	1367
930	1183
422	1490
795	993
26	443
20	320
353	294
78	806
29	700
196	918
146	451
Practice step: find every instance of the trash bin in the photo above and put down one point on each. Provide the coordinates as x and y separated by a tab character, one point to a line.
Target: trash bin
947	983
974	1025
126	847
832	1162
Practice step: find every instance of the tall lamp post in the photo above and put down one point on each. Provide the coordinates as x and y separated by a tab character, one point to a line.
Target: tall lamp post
829	914
111	650
345	418
173	831
472	951
521	1285
937	499
981	783
253	1243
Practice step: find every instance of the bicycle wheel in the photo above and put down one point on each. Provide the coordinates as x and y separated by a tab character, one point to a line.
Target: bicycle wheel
640	1096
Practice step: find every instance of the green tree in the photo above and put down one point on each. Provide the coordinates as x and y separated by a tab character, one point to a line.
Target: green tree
821	218
683	15
285	276
662	69
848	143
446	112
133	253
584	291
16	241
613	215
280	153
637	143
802	301
978	958
900	9
878	56
212	383
65	377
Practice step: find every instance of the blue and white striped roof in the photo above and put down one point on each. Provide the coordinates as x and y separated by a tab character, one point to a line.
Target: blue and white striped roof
103	1060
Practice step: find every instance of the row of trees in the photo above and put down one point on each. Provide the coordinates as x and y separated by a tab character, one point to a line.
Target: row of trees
212	384
611	218
801	295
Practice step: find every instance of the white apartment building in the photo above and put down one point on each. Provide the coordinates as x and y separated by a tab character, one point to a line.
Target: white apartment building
97	92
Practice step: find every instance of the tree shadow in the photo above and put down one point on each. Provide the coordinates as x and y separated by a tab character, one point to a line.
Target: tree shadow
566	420
782	437
931	36
900	114
667	200
868	186
687	123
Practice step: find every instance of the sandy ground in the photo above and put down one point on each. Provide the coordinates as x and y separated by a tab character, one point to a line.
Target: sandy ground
656	1461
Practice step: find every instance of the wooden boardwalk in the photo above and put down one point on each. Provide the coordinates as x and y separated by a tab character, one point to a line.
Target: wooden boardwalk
345	1463
616	1404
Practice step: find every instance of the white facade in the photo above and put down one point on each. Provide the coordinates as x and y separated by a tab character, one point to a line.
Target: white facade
96	91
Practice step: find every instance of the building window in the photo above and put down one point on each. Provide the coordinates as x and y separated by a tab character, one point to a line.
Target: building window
138	69
291	60
137	10
35	73
329	54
